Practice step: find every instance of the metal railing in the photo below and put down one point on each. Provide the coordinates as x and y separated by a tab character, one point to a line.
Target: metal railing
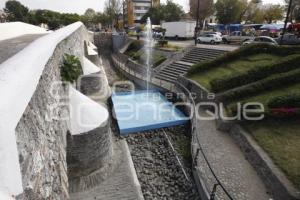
195	139
121	61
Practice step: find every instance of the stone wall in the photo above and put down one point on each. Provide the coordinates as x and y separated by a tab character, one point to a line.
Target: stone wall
89	152
42	141
104	42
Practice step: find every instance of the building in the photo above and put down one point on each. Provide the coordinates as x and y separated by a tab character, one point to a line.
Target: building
134	10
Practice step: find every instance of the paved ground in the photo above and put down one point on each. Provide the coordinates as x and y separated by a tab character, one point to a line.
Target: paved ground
186	43
10	47
229	164
121	183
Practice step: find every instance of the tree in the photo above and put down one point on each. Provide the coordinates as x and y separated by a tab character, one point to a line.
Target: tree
155	14
253	13
16	11
88	17
113	8
206	8
172	11
230	11
295	10
67	18
166	12
273	13
51	18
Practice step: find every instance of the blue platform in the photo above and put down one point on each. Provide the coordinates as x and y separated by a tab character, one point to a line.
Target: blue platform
142	111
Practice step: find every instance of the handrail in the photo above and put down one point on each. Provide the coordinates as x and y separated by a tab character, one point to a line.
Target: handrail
212	195
194	124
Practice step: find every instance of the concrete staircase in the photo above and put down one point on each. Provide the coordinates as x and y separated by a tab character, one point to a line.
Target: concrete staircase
171	72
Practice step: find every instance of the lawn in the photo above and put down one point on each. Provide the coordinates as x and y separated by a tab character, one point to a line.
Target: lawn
237	66
264	97
281	140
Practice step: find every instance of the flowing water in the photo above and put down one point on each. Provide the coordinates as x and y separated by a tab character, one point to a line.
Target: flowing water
148	50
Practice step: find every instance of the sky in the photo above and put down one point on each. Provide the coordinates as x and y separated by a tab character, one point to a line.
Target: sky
79	6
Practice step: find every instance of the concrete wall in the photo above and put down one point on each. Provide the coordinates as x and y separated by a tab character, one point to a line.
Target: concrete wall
41	142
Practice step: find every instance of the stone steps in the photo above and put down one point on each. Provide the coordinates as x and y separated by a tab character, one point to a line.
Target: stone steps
171	72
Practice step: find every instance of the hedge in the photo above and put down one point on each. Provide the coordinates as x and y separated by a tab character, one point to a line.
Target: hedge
134	46
243	52
276	81
260	72
290	100
284	106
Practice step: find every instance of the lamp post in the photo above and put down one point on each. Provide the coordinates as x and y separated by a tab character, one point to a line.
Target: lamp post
286	20
197	22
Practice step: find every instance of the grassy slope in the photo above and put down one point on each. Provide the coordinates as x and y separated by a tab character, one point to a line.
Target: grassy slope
280	139
238	66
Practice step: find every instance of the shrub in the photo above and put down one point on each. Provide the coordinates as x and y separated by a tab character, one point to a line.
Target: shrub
158	60
284	106
242	52
276	81
71	68
290	100
260	72
162	43
134	46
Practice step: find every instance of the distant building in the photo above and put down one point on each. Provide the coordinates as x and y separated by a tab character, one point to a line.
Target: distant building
134	10
3	16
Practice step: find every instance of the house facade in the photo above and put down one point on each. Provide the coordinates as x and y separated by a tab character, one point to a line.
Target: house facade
134	10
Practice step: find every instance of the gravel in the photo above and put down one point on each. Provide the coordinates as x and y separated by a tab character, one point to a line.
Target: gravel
158	170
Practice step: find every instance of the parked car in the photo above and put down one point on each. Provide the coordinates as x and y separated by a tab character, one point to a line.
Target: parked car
288	39
260	40
237	36
210	38
157	35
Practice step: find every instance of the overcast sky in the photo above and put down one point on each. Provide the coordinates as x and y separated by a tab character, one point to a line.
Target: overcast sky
79	6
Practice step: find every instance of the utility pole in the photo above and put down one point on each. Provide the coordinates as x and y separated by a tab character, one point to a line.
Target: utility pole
197	22
286	20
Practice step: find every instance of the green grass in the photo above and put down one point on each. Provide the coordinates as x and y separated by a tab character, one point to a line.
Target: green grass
237	66
266	96
281	140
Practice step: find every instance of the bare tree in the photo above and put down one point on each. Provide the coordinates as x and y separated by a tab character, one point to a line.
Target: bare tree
206	9
113	9
295	10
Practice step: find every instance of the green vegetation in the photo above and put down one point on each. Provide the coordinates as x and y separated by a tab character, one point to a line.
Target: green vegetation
168	12
162	43
269	75
134	51
140	57
281	140
18	12
169	47
71	68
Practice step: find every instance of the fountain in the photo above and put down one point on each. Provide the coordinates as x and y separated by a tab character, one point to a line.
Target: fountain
138	111
148	50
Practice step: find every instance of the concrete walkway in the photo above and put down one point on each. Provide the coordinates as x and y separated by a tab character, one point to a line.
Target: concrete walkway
120	183
10	47
229	164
